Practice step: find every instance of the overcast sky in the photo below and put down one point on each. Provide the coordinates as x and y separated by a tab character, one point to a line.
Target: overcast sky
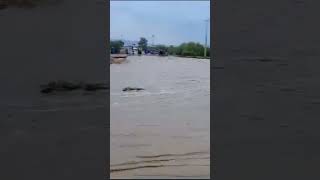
172	22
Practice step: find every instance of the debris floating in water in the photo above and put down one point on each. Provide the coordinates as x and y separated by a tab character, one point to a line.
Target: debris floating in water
68	86
132	89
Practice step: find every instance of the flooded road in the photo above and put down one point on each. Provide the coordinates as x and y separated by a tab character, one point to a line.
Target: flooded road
164	131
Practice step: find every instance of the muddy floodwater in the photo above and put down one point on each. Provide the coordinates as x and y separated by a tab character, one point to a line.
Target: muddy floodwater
163	131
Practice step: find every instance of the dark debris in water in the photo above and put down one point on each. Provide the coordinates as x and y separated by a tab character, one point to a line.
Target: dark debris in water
218	67
262	59
252	117
64	86
265	59
284	125
27	4
132	89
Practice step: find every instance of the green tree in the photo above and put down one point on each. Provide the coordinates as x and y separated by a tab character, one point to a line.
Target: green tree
184	49
115	46
190	49
172	50
143	43
179	49
193	49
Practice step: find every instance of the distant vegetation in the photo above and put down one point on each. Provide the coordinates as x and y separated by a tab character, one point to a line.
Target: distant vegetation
190	49
143	43
115	46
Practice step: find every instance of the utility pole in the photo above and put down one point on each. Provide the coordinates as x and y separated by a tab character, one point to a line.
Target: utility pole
152	40
205	45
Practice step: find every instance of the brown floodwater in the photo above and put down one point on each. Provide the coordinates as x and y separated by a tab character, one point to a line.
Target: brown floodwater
163	131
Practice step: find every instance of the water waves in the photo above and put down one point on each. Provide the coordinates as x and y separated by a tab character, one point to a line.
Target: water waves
163	160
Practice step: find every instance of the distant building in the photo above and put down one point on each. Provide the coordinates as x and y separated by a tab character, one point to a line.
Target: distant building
135	50
131	46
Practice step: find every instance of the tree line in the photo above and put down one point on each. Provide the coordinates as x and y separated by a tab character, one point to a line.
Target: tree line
189	49
115	46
